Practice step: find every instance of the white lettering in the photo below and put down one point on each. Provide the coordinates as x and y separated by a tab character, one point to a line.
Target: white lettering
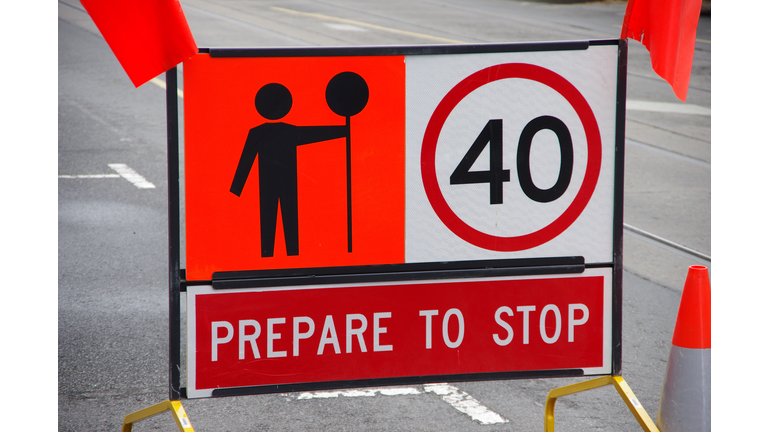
526	327
328	336
356	331
272	336
242	338
499	341
460	337
543	318
574	322
428	314
216	340
298	334
378	330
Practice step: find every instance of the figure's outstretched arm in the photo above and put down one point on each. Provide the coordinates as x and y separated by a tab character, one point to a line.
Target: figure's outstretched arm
250	150
313	134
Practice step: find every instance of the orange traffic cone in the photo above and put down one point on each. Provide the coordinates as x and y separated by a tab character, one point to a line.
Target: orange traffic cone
686	399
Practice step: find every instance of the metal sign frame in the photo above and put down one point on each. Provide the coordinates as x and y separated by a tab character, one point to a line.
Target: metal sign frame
178	282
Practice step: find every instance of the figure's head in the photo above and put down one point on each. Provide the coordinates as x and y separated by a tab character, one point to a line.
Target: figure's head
273	101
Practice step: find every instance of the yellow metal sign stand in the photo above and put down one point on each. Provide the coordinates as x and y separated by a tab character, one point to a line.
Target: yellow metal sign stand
621	386
173	406
642	417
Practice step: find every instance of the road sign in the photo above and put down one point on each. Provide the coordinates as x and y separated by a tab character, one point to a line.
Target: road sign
391	215
233	202
552	168
492	134
278	339
495	155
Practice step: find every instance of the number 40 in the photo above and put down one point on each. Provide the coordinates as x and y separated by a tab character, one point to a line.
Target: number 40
496	175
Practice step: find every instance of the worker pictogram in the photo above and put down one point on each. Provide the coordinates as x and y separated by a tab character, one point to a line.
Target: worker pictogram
300	170
276	143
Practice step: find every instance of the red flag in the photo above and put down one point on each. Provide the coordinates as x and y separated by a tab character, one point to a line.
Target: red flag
668	29
148	37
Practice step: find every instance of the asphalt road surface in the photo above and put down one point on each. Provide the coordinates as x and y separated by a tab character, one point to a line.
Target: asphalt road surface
112	243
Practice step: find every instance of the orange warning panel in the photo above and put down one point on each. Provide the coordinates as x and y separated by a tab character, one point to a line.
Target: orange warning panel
276	148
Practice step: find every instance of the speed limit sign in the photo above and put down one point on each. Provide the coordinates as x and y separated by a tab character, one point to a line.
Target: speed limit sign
513	155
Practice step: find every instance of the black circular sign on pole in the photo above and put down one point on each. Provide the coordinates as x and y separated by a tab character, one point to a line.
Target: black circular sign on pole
347	95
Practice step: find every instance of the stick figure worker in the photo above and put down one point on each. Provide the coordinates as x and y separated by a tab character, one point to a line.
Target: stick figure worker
275	143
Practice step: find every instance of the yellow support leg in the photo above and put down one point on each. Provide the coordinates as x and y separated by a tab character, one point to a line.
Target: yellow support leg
182	421
619	384
634	405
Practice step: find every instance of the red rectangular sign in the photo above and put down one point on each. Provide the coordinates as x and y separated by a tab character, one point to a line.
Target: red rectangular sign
288	335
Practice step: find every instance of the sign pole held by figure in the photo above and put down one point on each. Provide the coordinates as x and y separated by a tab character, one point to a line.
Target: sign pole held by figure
347	95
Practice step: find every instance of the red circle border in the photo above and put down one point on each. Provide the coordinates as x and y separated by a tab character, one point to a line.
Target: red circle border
435	126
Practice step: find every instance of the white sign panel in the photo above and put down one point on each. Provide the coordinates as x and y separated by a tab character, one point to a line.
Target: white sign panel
511	155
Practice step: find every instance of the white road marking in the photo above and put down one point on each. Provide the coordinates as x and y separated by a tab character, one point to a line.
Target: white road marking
667	107
90	176
160	83
345	27
132	176
394	391
122	170
465	403
458	399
